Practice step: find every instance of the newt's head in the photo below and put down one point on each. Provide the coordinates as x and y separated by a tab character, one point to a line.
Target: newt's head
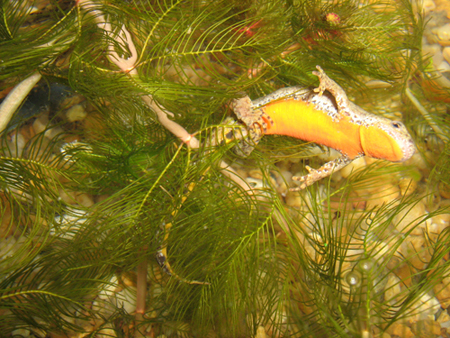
387	140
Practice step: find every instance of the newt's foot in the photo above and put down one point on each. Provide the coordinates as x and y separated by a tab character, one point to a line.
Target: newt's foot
258	124
307	180
243	109
256	121
324	81
252	118
317	174
338	93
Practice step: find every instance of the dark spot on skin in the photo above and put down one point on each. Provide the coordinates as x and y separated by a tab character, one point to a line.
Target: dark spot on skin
161	259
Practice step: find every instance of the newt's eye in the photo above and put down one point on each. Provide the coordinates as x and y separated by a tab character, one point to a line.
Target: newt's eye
396	124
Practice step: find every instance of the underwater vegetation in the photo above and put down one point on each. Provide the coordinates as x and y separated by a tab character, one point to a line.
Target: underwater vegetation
127	211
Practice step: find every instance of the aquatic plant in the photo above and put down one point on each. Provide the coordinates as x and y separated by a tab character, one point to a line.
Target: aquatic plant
85	204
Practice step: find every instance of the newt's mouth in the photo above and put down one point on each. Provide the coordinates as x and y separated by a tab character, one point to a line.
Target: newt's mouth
408	149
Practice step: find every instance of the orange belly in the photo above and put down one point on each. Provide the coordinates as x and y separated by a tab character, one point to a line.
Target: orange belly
301	120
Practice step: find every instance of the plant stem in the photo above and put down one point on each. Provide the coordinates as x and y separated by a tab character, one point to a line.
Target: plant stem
426	115
141	291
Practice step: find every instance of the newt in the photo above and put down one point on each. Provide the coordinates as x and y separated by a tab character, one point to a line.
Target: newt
323	115
327	117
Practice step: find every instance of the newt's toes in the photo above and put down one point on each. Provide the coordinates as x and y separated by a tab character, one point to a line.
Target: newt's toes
300	187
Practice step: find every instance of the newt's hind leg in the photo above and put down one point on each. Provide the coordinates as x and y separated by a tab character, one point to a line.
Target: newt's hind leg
256	121
342	101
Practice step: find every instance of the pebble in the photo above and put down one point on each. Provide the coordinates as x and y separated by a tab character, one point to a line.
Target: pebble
84	200
379	196
440	222
433	50
443	5
424	308
256	173
287	175
76	113
426	328
443	34
393	289
410	219
443	67
16	143
444	317
428	6
442	292
336	177
401	330
109	294
352	167
378	84
8	247
54	132
293	199
41	123
284	165
68	224
23	333
417	161
281	181
261	332
68	197
125	299
255	183
108	330
414	250
444	190
73	197
379	248
407	186
241	172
